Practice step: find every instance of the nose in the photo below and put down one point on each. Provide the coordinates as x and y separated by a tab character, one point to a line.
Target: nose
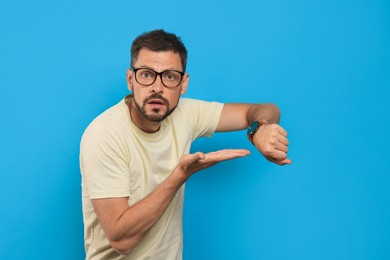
157	86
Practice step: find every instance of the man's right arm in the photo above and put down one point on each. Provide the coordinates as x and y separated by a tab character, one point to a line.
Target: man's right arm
126	226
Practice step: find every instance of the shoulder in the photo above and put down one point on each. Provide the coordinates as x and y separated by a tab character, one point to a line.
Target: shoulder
197	111
189	103
107	123
195	108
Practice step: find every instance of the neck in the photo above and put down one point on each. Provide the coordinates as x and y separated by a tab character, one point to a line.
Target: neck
140	121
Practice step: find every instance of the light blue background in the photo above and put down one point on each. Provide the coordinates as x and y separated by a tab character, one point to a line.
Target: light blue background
326	64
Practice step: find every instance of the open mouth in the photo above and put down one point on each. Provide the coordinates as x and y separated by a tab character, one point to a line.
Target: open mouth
156	102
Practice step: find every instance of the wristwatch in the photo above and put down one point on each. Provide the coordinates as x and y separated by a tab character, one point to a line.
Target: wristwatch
252	130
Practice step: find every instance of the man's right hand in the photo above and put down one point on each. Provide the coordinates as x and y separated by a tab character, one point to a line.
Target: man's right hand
192	163
125	226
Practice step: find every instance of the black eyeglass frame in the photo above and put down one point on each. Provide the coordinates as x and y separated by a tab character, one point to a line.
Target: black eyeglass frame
157	74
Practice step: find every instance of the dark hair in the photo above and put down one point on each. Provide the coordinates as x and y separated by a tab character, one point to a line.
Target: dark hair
159	40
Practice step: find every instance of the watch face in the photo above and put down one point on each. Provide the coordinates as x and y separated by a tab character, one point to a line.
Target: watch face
253	127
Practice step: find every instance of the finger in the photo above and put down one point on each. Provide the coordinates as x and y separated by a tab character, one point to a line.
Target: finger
281	147
282	139
278	143
192	158
236	152
223	155
281	130
277	155
286	161
229	152
281	163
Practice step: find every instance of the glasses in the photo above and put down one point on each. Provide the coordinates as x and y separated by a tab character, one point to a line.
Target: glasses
169	78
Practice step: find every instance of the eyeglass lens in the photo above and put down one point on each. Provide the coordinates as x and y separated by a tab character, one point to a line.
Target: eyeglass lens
169	78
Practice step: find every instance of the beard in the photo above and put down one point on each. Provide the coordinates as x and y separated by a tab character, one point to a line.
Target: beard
154	115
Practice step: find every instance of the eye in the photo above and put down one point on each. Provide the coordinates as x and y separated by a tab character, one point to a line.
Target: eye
146	74
171	75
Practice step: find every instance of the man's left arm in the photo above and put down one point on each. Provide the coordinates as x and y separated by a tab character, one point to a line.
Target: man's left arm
270	139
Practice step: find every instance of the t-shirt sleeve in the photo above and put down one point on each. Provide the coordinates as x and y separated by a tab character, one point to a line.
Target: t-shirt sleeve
103	163
206	117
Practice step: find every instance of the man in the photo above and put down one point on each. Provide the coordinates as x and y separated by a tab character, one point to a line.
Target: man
135	159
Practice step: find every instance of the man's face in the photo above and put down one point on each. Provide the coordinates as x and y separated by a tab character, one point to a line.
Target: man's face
155	102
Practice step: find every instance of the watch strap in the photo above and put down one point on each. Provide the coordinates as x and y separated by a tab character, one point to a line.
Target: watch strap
252	130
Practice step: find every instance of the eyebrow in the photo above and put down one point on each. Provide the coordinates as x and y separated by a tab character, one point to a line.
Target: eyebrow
151	68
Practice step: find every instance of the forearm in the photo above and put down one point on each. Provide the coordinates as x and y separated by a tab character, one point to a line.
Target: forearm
125	226
129	227
239	116
264	113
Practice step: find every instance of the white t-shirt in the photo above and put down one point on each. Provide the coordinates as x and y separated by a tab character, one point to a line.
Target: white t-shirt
117	159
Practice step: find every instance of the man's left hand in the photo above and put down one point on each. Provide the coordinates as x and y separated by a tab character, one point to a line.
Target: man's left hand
271	141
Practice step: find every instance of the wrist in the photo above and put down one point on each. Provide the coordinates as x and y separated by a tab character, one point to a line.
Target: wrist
179	175
253	129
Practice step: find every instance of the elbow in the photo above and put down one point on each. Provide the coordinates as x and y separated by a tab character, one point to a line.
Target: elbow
121	248
124	247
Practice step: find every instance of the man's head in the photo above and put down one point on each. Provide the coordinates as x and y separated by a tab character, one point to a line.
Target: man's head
159	40
157	77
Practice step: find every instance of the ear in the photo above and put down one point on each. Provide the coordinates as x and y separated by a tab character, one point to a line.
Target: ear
129	78
184	84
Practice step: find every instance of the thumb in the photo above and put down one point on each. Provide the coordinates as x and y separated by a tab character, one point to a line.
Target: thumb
286	161
192	158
